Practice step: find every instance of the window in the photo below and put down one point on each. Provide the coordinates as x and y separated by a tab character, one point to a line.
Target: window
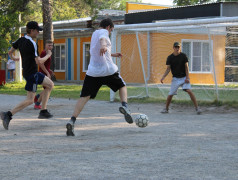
198	55
86	56
60	57
231	68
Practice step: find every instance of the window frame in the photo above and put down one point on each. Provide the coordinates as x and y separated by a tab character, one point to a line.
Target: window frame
191	41
85	43
59	44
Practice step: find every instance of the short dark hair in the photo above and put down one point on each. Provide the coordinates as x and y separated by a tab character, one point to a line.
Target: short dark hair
106	22
49	41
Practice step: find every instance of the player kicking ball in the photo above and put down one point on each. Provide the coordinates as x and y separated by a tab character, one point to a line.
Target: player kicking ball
101	71
30	59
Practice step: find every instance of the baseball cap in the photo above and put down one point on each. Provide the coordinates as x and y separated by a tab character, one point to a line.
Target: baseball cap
33	25
177	44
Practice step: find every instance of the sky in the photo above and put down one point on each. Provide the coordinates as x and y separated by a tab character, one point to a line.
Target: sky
161	2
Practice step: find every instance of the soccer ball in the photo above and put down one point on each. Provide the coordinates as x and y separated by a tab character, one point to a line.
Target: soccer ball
142	120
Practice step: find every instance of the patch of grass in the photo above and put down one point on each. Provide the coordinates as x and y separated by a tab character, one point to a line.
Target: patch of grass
227	95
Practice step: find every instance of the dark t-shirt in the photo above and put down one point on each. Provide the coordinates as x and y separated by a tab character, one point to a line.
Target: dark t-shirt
46	63
177	64
28	50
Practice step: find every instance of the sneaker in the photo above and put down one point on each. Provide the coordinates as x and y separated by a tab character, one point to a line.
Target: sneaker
198	111
164	111
124	110
37	107
44	115
5	120
70	128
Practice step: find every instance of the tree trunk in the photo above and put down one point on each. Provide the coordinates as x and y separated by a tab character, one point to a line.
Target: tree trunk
48	26
47	20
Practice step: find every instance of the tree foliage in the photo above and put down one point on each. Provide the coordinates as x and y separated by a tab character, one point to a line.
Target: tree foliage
193	2
189	2
9	21
32	10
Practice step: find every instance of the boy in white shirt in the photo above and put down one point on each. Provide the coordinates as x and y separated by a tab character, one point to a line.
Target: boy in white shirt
11	68
101	71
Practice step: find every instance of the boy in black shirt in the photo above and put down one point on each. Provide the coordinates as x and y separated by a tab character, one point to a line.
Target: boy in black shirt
30	59
177	62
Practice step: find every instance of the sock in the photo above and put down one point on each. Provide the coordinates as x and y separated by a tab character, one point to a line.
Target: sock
73	119
124	104
44	110
9	113
37	96
37	103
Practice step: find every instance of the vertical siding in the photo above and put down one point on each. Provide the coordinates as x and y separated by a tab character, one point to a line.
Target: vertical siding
69	60
75	58
72	59
131	68
78	59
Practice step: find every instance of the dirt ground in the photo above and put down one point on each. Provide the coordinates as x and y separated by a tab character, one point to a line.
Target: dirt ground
178	145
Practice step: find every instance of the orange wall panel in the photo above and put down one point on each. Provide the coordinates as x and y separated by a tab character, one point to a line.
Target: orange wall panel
130	7
60	75
161	46
131	68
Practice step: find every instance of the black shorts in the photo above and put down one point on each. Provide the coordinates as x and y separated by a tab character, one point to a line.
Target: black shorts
33	80
91	84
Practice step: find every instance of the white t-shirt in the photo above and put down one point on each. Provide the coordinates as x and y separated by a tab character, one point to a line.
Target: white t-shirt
100	65
11	64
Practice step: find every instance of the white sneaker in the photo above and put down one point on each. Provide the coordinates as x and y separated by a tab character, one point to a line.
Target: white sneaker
164	111
124	110
198	111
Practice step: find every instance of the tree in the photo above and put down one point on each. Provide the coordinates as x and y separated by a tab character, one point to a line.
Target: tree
33	10
189	2
9	21
47	20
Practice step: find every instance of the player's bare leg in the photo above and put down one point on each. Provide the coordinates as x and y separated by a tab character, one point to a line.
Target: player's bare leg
37	100
168	101
80	105
77	110
7	116
45	97
124	109
49	85
28	101
193	98
123	94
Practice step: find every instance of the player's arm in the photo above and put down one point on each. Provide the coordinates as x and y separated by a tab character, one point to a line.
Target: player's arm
42	66
187	80
116	55
11	52
103	46
41	60
165	73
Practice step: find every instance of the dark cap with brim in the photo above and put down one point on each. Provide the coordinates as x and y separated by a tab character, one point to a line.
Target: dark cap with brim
33	25
177	44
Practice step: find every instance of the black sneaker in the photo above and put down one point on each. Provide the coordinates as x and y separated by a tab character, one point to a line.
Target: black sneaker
70	128
124	110
44	114
5	119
